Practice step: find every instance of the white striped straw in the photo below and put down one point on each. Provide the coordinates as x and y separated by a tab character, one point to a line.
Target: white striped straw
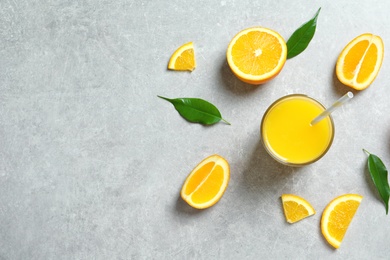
344	99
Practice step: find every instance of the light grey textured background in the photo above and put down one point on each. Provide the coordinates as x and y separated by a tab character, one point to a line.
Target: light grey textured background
92	162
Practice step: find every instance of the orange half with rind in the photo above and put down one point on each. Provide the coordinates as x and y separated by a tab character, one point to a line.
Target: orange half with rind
256	55
360	61
206	183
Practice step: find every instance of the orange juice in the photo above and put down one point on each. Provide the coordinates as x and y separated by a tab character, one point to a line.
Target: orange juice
287	134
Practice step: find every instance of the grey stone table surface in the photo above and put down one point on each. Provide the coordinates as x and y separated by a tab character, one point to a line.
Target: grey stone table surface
92	162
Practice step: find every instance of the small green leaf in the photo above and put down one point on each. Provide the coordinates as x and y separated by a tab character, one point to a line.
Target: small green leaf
378	174
301	38
196	110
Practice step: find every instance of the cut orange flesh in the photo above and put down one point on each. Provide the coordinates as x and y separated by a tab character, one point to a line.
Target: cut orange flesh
256	55
360	61
337	216
183	58
296	208
206	184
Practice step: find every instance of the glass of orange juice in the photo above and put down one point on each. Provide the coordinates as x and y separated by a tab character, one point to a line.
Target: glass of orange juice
287	134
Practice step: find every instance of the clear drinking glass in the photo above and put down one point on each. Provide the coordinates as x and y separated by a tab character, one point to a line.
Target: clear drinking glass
288	136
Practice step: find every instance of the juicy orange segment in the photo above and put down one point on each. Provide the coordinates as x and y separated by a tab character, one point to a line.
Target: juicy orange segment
206	183
256	55
183	58
360	61
296	208
337	216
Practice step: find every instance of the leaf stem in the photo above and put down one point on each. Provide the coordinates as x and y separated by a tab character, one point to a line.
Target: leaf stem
164	98
226	121
367	152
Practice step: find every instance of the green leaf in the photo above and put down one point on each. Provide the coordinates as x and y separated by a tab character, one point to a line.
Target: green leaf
196	110
378	174
301	38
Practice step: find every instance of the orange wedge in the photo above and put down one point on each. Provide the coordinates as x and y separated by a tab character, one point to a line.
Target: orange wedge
183	58
256	55
296	208
337	216
206	183
360	61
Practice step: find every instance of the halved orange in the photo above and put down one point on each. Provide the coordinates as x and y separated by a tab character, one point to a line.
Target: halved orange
337	216
360	61
296	208
183	58
256	55
206	183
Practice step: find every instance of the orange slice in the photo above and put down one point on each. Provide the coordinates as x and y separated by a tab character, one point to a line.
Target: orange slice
360	61
183	58
296	208
337	216
206	183
256	55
